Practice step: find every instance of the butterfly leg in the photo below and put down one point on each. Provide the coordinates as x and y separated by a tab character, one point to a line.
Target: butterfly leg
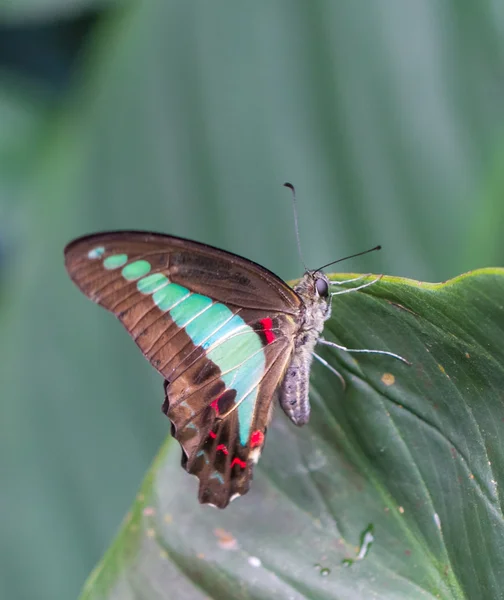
331	368
362	350
359	287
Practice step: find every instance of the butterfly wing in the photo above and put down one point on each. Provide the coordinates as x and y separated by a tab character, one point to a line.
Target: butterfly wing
218	327
221	425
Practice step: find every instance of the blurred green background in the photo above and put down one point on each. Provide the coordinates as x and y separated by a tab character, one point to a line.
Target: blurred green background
187	118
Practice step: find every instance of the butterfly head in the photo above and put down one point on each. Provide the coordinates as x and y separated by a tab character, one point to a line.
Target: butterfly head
313	288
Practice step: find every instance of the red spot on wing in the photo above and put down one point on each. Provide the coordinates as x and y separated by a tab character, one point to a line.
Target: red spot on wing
256	439
237	461
213	435
223	403
215	404
223	448
267	324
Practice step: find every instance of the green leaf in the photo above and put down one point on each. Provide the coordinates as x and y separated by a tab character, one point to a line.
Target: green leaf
187	117
409	457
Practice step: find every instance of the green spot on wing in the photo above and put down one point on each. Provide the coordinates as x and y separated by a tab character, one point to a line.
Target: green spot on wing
236	349
136	269
169	295
188	309
218	476
207	324
115	261
96	252
152	283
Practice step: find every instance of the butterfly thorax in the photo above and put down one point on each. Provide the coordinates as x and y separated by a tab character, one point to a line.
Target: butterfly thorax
313	289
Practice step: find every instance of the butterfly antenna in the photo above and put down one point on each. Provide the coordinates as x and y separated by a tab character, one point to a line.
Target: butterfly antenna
351	256
296	225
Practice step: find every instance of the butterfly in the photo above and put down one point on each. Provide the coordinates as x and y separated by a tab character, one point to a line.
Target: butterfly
226	334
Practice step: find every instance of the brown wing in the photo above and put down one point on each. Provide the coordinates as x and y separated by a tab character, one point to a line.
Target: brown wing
223	276
220	425
226	278
206	420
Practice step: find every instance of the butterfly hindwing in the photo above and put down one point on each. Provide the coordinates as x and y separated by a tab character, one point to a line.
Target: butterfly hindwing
218	327
223	437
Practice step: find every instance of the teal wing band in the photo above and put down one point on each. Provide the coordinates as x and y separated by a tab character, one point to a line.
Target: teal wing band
230	343
241	360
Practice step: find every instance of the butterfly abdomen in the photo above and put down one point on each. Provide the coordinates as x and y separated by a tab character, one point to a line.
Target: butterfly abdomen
294	389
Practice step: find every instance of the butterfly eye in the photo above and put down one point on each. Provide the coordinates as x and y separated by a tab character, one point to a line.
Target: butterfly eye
322	287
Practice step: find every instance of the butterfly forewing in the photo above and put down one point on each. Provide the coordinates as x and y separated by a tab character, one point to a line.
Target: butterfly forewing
231	279
218	327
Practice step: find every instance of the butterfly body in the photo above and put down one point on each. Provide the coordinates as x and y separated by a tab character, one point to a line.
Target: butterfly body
226	334
293	392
